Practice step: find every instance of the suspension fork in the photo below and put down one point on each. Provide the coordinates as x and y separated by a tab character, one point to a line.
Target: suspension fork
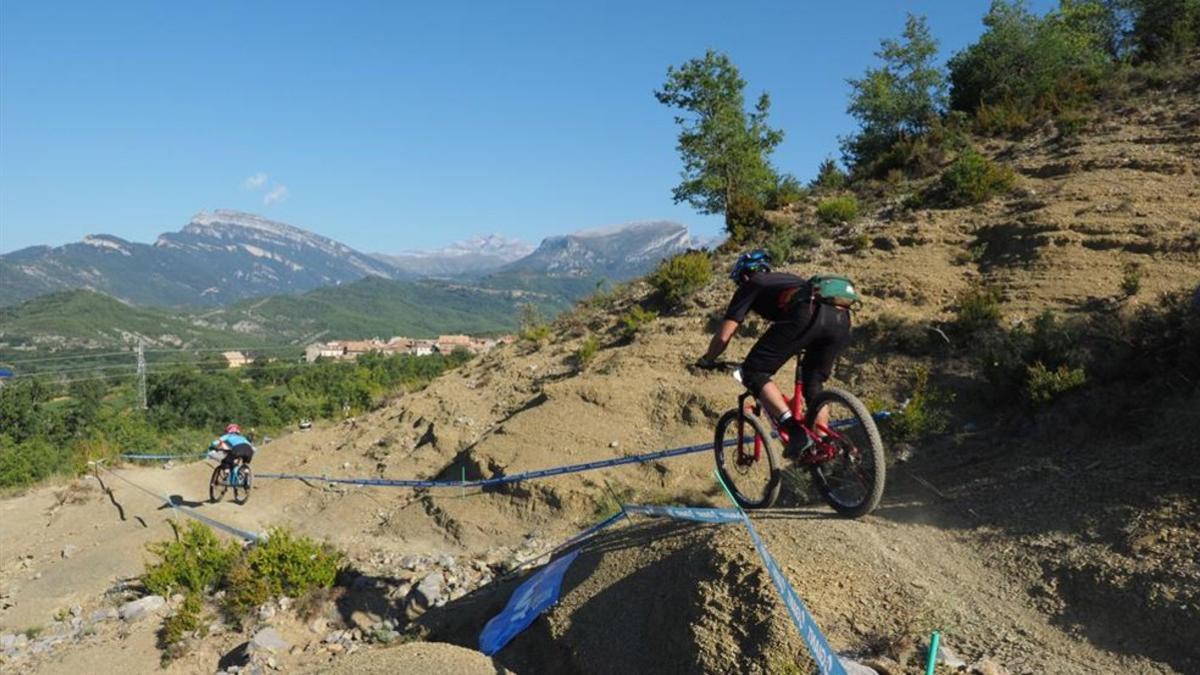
742	455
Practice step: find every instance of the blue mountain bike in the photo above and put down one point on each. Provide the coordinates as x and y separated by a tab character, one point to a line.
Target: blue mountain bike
225	477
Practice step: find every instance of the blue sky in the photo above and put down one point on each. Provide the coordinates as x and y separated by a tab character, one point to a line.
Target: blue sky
392	125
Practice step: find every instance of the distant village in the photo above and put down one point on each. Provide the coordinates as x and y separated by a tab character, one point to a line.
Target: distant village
348	350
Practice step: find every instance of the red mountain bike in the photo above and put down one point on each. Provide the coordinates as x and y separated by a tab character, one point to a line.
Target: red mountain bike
846	458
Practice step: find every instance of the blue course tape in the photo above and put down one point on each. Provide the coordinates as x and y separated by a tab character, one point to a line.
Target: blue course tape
141	456
502	480
818	647
686	513
243	534
515	478
611	520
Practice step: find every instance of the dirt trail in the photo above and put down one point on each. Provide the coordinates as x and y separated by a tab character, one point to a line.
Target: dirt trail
1046	544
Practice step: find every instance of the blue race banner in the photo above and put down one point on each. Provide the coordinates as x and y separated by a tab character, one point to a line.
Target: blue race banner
531	598
818	647
686	513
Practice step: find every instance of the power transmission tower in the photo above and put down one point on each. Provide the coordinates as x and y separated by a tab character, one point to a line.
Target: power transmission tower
141	372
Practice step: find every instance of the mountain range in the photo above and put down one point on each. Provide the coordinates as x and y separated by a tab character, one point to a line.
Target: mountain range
222	257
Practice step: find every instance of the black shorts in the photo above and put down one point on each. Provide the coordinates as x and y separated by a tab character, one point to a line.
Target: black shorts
822	334
243	451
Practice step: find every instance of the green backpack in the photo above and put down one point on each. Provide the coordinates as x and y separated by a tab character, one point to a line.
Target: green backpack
834	290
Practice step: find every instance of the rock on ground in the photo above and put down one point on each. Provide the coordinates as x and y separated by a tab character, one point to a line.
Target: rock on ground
141	608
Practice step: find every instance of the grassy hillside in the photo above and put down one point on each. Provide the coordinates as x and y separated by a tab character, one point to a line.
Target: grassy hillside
376	307
80	321
84	319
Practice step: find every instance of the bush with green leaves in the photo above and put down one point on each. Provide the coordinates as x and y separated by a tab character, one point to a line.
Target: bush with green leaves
587	351
197	561
1131	279
787	191
925	414
978	309
679	277
531	326
637	318
973	179
1008	357
283	565
1043	385
835	210
1033	64
830	177
187	621
1162	29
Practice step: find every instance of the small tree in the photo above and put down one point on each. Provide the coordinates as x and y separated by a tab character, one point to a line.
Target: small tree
1033	63
1162	28
901	99
829	176
724	148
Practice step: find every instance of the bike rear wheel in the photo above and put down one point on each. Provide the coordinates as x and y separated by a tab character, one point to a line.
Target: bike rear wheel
218	484
241	490
746	459
852	480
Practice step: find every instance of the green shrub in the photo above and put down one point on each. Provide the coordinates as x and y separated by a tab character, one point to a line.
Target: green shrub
634	320
838	209
177	629
195	562
974	179
1030	63
678	278
587	351
830	177
978	309
1006	357
787	191
1070	123
284	564
925	415
1131	279
1002	119
531	327
859	242
1043	385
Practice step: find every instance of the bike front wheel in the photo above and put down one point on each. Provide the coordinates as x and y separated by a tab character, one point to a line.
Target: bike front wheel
746	459
852	479
217	485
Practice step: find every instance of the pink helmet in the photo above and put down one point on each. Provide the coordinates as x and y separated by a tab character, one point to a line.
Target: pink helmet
233	429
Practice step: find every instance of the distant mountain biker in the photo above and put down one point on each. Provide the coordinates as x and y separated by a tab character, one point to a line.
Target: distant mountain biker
234	445
798	322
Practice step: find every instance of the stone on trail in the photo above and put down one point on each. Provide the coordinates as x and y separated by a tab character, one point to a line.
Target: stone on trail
106	614
429	591
855	668
7	641
988	667
270	640
69	550
141	608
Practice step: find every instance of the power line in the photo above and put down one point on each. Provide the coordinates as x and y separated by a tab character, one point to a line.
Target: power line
75	356
160	350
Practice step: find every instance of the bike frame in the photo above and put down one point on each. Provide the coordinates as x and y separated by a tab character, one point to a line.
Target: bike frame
823	449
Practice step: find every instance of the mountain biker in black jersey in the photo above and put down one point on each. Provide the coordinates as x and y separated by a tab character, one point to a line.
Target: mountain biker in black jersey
798	323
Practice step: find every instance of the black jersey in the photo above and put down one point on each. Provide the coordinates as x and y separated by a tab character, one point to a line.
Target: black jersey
770	294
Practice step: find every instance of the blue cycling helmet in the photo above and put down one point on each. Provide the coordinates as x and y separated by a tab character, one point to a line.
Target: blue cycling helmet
757	260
